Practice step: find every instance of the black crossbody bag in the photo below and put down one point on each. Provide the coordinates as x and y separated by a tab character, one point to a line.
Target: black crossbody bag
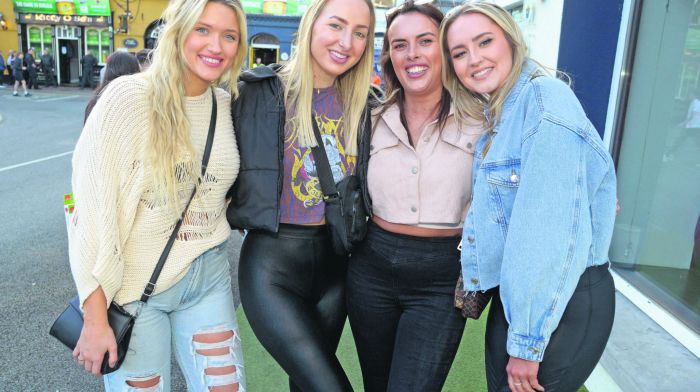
345	213
69	324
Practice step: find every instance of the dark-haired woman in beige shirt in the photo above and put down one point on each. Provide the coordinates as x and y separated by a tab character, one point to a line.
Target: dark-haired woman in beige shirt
401	280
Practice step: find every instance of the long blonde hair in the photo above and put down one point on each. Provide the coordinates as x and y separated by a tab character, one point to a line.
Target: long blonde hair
353	86
469	104
169	149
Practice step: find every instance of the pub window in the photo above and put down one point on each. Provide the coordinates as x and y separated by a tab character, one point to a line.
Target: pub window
97	41
39	38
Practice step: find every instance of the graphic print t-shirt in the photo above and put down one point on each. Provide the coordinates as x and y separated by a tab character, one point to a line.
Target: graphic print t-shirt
302	199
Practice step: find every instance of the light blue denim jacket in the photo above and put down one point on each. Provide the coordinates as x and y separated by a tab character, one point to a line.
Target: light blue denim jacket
543	209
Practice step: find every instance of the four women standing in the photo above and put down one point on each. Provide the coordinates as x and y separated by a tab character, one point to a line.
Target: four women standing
533	200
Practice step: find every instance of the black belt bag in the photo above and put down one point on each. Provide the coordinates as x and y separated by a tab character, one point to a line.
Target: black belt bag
69	324
345	213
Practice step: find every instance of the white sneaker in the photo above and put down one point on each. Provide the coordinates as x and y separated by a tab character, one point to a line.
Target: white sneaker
14	93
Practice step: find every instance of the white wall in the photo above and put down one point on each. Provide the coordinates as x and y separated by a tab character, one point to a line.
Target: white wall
541	27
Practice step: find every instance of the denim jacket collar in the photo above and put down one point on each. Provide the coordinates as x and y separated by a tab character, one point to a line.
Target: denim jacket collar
525	75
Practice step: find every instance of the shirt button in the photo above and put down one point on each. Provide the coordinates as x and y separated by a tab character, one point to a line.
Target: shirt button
413	209
470	239
414	170
371	147
426	139
475	281
469	146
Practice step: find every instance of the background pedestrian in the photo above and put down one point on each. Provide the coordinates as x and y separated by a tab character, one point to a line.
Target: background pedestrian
32	70
18	68
48	66
88	62
118	64
144	58
2	70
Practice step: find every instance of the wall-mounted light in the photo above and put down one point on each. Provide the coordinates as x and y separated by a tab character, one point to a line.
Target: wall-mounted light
3	24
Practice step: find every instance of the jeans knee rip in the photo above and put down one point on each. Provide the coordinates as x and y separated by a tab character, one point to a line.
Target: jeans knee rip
156	388
218	361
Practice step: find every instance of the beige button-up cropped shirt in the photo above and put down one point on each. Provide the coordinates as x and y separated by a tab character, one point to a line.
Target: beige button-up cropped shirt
428	185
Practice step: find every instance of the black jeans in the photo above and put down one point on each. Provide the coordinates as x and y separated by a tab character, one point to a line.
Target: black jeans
401	309
49	78
575	346
32	80
292	290
86	79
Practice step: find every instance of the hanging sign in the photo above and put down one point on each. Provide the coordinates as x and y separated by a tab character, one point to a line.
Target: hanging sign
130	43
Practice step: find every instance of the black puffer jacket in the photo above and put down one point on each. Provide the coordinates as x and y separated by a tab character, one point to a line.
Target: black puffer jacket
259	118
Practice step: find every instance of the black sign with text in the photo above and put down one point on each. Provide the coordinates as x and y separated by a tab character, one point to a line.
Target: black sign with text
71	20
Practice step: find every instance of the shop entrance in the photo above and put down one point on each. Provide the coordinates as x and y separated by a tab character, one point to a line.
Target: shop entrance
264	47
68	60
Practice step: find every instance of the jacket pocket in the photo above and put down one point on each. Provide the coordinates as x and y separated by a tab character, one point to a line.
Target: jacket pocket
504	179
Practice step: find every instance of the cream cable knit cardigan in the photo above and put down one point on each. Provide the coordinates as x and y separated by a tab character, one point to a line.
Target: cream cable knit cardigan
119	228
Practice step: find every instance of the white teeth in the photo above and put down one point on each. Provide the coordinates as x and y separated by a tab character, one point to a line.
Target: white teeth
416	69
481	73
210	60
339	55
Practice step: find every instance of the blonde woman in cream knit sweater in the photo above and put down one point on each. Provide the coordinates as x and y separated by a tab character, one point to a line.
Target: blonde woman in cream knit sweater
134	168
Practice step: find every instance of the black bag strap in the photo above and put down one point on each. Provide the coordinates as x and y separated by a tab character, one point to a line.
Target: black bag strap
151	286
323	167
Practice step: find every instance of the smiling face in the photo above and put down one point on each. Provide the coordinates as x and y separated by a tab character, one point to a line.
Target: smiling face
210	47
338	39
415	53
481	55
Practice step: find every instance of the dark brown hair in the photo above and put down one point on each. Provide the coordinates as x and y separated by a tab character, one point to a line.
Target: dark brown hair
393	89
118	64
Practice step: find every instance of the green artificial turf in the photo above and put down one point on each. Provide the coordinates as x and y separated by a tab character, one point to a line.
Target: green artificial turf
264	375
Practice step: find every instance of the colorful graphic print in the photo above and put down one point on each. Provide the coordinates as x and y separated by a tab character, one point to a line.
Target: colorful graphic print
306	187
302	199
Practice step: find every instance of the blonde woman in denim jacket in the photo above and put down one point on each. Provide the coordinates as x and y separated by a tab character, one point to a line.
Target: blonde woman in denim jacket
543	208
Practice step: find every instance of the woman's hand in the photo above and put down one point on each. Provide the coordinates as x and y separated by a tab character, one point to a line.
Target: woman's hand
522	375
97	337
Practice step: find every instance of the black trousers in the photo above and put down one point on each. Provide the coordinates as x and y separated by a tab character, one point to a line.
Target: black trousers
32	80
292	290
401	308
86	79
49	79
575	346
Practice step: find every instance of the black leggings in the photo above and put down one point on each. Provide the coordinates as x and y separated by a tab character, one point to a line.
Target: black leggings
575	346
292	289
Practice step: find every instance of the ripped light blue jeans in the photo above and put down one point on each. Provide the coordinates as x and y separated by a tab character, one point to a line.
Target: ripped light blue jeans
197	319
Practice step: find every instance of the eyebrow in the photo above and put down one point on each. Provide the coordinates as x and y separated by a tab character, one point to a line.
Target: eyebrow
210	26
418	36
478	37
346	22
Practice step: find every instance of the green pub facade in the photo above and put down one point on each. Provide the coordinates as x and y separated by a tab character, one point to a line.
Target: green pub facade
67	29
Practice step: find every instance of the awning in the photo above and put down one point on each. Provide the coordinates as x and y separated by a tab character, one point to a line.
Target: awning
63	7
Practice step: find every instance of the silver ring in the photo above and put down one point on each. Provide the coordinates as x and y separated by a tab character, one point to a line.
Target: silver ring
517	383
